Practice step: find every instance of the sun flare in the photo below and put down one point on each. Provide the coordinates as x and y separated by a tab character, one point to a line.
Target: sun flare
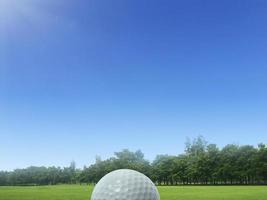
24	13
8	6
12	11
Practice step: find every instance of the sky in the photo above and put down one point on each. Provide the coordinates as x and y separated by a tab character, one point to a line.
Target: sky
85	78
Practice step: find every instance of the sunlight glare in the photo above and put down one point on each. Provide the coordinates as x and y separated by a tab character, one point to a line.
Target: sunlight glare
6	6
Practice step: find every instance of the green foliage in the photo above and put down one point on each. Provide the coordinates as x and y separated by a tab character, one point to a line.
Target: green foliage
202	163
40	176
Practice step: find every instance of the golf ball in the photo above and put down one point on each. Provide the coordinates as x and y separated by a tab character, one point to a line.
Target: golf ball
125	184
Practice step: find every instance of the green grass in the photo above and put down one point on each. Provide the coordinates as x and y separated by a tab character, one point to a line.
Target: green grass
76	192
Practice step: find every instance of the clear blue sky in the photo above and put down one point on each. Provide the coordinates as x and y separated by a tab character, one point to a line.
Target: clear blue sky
84	78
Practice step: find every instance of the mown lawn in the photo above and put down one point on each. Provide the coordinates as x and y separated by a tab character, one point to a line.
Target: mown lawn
76	192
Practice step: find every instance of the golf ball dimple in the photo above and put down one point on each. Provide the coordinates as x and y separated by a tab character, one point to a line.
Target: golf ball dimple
125	184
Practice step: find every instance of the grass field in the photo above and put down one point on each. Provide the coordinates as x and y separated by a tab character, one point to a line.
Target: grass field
76	192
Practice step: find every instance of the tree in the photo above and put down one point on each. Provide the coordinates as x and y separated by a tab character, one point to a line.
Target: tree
202	163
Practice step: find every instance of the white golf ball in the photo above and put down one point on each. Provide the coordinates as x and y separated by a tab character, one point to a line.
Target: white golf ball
125	184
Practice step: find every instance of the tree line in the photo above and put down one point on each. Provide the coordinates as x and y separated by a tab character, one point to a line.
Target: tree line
201	163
